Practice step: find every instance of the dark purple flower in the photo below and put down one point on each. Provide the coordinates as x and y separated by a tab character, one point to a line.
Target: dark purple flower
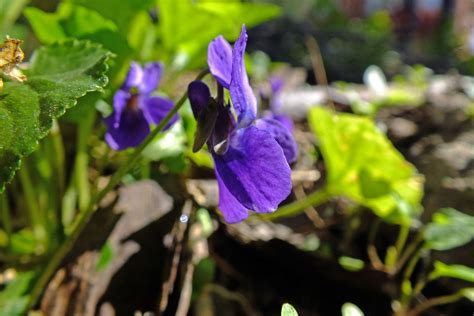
135	108
250	155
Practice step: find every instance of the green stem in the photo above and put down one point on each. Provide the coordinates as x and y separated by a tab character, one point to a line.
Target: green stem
407	297
397	248
405	256
58	150
402	238
81	174
32	206
314	199
440	300
83	217
5	215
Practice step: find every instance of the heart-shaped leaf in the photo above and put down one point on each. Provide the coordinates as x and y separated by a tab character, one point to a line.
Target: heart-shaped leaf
57	76
364	166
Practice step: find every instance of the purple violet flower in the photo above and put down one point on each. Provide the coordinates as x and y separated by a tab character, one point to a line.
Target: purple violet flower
135	108
251	156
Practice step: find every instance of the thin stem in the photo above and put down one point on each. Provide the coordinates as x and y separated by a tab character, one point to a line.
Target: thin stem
372	250
407	297
58	149
83	217
5	215
32	205
402	238
440	300
318	65
314	199
58	152
397	248
408	252
81	174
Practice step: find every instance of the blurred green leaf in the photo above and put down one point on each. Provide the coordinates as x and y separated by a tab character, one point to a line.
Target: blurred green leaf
288	310
455	271
14	298
106	256
203	275
349	309
121	12
468	293
203	217
46	26
10	10
449	229
351	264
187	28
24	242
58	75
364	166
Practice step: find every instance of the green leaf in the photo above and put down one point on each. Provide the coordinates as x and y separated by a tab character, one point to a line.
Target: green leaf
364	166
468	293
288	310
455	271
24	242
10	10
351	264
106	257
78	22
449	229
179	21
46	26
120	12
349	309
14	298
58	75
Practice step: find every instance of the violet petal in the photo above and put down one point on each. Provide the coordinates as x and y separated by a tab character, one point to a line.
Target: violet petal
232	210
285	120
243	98
134	76
219	60
282	135
155	108
254	170
151	78
132	131
121	99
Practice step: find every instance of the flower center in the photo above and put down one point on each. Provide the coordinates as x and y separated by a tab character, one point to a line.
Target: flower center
132	103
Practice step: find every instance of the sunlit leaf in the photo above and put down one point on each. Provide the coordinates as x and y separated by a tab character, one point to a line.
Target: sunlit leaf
449	229
364	166
58	75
